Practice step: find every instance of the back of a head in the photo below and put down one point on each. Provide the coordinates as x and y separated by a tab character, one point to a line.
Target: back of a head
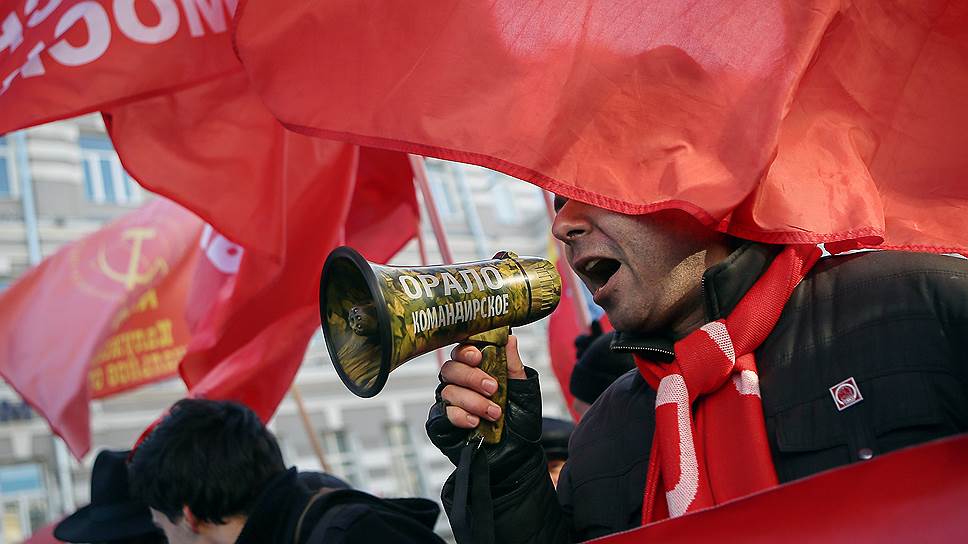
213	456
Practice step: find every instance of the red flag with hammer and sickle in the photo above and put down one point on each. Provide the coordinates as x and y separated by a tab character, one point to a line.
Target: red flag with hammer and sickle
103	314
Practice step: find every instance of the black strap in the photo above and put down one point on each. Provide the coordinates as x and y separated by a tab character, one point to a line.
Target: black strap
473	520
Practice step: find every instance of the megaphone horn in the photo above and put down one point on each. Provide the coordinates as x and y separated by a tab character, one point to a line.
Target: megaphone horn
375	318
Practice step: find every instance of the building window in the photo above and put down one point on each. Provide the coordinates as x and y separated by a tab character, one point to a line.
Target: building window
441	183
7	172
504	207
23	500
344	457
404	462
105	181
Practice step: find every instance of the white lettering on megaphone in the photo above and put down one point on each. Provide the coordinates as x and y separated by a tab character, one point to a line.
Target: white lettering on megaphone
224	255
467	275
410	286
492	277
451	284
133	27
99	32
429	281
455	313
488	275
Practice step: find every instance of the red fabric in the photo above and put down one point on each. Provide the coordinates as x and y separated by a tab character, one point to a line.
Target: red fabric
914	495
178	108
44	535
564	326
718	450
780	121
88	55
60	315
285	199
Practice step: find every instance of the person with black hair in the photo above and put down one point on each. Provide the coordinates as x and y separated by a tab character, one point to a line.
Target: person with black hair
212	473
757	365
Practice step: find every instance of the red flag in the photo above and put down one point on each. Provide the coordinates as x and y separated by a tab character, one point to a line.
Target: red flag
912	495
283	197
564	326
113	298
186	126
781	121
59	59
44	535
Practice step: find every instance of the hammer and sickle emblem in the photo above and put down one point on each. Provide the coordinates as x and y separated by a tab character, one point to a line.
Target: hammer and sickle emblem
132	277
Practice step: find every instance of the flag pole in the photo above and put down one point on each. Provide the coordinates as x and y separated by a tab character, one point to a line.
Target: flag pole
420	177
422	185
65	478
582	315
308	427
423	261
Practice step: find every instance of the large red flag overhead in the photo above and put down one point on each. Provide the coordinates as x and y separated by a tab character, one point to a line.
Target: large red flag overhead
780	121
103	314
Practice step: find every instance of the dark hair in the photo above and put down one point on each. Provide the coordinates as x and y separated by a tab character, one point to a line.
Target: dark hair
213	456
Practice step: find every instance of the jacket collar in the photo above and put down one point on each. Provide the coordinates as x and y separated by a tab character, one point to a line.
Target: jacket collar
275	514
723	286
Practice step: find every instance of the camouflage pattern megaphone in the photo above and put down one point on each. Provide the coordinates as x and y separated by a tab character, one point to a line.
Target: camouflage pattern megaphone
375	318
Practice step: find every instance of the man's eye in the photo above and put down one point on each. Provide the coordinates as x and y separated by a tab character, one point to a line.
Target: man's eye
559	203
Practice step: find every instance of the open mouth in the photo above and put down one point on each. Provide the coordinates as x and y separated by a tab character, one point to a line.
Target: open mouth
599	271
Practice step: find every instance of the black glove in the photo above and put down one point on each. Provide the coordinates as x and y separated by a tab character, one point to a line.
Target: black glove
522	429
582	341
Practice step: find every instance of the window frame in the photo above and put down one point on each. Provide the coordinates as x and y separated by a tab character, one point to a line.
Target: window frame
95	151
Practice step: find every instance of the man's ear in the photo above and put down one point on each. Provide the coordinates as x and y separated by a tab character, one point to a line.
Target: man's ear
190	519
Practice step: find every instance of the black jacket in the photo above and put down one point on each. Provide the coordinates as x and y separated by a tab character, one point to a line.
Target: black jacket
895	322
335	516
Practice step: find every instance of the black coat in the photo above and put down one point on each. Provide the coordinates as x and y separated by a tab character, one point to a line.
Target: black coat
895	322
335	517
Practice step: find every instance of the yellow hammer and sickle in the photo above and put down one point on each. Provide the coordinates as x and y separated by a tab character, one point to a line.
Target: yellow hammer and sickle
132	278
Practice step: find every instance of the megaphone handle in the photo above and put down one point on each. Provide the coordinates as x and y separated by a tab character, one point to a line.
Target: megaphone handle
493	346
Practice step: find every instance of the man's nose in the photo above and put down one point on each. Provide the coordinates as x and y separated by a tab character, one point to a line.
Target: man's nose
571	222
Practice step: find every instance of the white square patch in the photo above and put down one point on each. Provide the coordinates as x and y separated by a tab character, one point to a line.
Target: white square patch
846	393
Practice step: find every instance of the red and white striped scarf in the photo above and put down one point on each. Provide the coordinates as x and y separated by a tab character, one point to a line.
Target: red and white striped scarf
718	451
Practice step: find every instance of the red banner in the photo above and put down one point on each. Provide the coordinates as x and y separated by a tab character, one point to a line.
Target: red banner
285	199
914	495
149	338
113	297
779	121
564	326
179	110
62	58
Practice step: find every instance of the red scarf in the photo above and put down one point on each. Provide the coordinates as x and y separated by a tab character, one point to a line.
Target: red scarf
717	451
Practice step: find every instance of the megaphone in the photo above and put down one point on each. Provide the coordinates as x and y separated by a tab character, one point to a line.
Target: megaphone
375	318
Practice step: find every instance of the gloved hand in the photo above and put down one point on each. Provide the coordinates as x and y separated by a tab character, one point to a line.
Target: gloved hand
463	398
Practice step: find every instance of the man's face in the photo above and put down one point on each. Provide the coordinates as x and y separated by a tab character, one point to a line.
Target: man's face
178	532
644	270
